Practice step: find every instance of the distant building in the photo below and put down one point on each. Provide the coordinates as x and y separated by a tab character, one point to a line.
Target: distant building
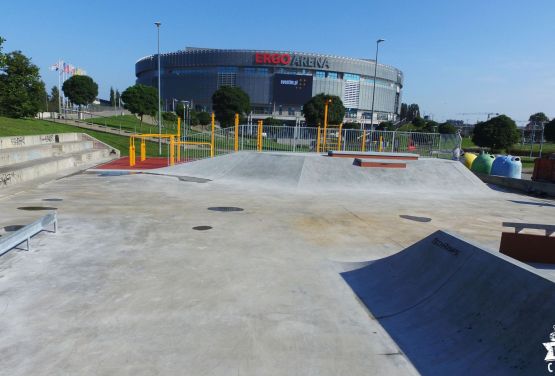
277	82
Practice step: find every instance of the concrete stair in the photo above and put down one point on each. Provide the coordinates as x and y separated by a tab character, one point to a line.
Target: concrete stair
25	158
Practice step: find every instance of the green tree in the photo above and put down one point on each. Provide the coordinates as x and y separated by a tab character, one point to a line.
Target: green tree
2	57
538	118
497	133
54	100
118	98
447	128
112	97
272	121
227	101
169	116
413	112
204	118
418	122
81	90
404	111
313	110
140	100
351	125
385	126
22	92
549	131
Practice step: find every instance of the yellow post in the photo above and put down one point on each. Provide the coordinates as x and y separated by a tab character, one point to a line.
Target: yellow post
131	151
178	138
380	147
318	141
328	101
363	140
236	132
212	136
339	137
259	136
143	149
172	150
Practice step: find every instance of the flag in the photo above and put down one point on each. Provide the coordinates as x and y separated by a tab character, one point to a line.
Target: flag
55	67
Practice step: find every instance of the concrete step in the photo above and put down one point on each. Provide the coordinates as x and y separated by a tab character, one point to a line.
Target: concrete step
33	169
72	147
90	156
35	140
23	154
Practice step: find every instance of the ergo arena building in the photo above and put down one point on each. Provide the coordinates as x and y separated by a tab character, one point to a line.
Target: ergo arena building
277	82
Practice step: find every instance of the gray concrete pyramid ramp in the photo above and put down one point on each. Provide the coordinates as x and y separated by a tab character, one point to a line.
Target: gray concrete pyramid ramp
456	309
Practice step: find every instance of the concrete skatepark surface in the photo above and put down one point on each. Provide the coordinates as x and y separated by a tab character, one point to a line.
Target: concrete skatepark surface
311	172
127	286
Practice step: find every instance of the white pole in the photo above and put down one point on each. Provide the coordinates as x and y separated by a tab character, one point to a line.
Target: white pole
159	102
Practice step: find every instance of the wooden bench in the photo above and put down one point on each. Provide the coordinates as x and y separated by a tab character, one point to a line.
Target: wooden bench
529	247
379	163
24	234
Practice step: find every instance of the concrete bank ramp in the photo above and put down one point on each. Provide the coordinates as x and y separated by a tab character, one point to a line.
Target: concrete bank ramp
313	172
456	309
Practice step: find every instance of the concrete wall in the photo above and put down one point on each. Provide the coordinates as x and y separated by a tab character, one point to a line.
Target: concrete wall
44	139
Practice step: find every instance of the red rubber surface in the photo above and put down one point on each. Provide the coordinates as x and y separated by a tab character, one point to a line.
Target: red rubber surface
148	164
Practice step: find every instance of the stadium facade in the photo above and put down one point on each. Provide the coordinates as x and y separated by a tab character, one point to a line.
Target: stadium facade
277	82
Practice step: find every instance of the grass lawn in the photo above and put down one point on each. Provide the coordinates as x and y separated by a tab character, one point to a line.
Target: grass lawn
20	127
132	123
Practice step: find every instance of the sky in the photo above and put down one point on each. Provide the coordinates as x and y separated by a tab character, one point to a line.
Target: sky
458	57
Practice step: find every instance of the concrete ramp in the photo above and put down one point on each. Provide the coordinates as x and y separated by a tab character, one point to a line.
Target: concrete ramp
456	309
314	172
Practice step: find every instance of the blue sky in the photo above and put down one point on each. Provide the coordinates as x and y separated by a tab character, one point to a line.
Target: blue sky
457	56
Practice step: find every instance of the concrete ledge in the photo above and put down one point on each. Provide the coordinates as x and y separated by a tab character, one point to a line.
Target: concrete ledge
372	155
43	139
378	163
526	186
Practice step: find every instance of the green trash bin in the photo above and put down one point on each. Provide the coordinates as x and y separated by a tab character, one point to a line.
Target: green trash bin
482	164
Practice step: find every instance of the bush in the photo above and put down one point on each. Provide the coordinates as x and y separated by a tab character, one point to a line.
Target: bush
169	116
497	133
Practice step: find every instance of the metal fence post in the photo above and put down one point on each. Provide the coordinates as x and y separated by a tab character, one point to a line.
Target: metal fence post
212	137
236	143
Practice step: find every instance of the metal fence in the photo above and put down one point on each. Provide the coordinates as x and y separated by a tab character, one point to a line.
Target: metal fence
306	139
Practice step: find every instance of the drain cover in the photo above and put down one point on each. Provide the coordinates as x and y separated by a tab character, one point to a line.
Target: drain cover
225	208
114	173
417	219
202	228
37	208
52	199
11	228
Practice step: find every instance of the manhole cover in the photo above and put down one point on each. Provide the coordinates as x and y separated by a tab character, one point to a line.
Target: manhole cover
225	208
417	219
202	228
12	228
37	208
52	199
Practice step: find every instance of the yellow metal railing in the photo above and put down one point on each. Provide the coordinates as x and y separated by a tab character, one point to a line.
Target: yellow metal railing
175	143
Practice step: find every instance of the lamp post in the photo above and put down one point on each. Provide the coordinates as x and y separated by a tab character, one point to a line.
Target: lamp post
374	87
159	101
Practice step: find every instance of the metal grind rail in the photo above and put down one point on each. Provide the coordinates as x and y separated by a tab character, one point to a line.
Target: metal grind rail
24	234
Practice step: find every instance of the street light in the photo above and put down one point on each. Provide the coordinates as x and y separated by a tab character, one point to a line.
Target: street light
374	89
159	101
